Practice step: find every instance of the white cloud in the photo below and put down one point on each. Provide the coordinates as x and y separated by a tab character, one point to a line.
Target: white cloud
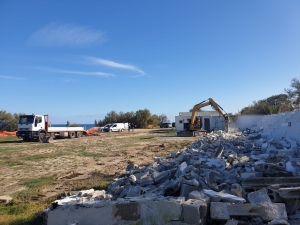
115	65
65	35
66	80
13	78
52	70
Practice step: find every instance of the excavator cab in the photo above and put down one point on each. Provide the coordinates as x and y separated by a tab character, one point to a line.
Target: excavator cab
198	123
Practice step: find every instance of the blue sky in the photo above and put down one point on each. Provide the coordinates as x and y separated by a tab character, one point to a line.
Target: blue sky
79	60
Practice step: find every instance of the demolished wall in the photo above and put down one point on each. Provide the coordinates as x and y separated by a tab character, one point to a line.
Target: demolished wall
223	178
274	126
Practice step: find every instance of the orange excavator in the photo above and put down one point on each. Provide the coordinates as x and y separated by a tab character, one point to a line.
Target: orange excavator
195	129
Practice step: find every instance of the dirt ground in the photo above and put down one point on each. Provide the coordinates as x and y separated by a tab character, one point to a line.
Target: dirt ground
82	162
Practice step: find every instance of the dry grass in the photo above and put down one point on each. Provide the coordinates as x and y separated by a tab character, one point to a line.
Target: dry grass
36	174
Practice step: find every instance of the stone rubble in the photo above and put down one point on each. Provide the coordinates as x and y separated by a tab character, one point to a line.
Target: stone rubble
223	178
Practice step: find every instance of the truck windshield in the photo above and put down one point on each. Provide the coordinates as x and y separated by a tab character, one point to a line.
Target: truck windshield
26	119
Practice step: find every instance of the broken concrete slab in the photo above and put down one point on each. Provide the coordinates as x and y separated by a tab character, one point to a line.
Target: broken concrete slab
272	210
224	197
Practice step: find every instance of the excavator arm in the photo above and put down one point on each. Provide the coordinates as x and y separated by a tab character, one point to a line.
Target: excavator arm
215	106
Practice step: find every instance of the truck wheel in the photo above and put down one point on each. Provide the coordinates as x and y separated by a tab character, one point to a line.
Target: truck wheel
78	134
42	135
71	134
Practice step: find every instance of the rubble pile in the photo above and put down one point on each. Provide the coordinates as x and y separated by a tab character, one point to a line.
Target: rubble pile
223	178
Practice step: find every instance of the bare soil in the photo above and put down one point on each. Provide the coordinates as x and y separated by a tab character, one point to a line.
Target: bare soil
81	163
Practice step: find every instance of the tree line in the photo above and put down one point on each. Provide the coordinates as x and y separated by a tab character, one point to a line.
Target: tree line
287	101
141	118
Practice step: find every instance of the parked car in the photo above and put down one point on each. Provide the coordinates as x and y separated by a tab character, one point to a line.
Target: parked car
103	127
166	125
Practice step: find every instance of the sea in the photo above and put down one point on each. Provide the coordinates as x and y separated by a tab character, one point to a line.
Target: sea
86	126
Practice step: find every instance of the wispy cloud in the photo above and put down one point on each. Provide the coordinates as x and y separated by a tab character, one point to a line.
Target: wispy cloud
12	78
66	35
115	65
52	70
67	80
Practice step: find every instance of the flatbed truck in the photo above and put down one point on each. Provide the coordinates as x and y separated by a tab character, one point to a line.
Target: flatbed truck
36	127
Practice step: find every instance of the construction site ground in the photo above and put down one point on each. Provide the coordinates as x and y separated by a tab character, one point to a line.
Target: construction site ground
69	165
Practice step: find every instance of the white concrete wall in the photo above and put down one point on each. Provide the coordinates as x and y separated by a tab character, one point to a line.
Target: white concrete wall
273	126
281	125
248	121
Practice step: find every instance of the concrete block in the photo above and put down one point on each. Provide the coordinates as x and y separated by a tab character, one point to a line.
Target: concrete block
126	211
247	175
218	210
161	176
199	195
185	189
194	211
259	197
279	222
232	222
162	211
275	211
272	210
146	181
98	213
236	190
133	191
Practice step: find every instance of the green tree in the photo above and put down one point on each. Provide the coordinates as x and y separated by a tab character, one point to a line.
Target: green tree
8	121
272	105
129	117
142	116
154	120
112	117
294	93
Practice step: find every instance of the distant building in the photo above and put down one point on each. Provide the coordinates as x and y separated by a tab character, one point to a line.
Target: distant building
210	120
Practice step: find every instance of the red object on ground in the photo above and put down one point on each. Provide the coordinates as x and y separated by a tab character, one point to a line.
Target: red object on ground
7	133
93	132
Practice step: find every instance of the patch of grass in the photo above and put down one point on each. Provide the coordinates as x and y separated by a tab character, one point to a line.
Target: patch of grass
9	161
38	182
8	139
97	180
7	149
43	156
21	210
91	154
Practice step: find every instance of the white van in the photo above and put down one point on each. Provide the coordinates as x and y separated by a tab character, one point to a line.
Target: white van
116	127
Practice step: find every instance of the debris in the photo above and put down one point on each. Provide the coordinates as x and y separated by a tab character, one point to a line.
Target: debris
236	178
